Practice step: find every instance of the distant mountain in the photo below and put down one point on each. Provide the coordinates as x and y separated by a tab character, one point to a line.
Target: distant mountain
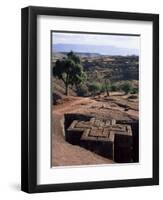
81	54
94	49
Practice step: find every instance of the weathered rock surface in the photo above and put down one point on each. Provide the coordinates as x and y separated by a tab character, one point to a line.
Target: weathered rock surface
107	138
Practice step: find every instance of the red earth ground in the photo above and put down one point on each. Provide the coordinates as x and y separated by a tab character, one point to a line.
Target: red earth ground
65	154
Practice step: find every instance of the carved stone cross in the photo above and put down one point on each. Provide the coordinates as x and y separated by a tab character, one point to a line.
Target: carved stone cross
104	137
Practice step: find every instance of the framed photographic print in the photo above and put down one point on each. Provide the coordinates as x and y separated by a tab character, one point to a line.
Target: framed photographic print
90	99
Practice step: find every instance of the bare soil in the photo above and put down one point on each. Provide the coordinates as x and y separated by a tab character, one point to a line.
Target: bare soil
116	106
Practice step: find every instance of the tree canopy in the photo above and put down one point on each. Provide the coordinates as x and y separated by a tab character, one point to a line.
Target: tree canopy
69	70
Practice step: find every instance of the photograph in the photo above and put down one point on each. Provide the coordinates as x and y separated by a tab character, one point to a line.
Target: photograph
90	99
94	98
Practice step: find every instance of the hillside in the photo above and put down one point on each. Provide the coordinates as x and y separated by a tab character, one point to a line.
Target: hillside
101	68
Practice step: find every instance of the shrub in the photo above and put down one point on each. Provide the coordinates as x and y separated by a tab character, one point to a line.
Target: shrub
126	87
82	90
94	88
134	91
107	86
103	88
114	87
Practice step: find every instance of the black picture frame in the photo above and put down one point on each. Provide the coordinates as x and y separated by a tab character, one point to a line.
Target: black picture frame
29	99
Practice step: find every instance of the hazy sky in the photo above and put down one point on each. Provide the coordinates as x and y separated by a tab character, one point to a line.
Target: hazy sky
118	41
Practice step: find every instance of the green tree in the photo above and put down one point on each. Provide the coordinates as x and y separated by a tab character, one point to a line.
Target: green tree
126	87
69	70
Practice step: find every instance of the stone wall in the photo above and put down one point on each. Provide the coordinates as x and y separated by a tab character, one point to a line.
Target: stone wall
135	131
73	136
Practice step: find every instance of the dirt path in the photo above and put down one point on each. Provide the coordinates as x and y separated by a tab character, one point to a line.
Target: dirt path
73	104
79	104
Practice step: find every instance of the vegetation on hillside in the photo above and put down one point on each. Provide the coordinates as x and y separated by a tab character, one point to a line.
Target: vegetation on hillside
90	76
